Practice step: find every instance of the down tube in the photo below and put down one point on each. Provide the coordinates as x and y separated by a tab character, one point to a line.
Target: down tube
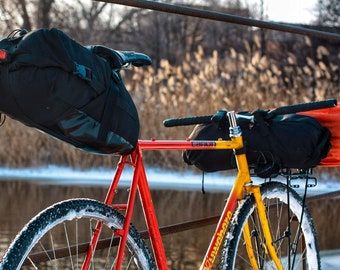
220	232
150	215
236	193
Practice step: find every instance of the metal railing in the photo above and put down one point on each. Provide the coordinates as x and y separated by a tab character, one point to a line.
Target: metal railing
223	17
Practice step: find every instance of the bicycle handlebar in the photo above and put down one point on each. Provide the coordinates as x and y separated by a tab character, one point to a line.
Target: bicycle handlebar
302	107
315	105
187	121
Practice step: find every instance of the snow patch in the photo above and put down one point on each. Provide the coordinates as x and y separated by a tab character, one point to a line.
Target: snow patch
157	178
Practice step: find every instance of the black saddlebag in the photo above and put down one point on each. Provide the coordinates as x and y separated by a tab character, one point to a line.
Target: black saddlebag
50	82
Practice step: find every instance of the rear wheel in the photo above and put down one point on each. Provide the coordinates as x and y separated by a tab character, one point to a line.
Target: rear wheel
58	238
292	230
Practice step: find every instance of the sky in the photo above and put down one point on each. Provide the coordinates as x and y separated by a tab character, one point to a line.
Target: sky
289	11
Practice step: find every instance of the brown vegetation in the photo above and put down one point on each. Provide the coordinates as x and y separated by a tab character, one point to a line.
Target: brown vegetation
200	85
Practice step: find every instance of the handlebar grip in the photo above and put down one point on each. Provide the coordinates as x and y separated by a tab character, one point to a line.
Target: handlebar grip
302	107
186	121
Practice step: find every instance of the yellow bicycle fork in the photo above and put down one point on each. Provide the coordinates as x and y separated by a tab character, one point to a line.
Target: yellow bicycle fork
249	188
268	240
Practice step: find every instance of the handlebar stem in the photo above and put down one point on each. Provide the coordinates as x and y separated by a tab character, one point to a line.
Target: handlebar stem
234	129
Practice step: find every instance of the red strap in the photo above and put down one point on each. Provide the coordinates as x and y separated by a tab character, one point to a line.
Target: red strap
3	55
329	118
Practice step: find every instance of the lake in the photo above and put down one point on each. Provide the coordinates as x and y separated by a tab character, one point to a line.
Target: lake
21	200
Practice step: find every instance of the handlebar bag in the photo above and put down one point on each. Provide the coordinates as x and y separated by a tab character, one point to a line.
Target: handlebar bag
50	82
285	141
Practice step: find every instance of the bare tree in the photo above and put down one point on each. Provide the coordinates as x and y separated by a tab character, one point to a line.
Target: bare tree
170	36
329	12
25	14
14	15
159	34
43	13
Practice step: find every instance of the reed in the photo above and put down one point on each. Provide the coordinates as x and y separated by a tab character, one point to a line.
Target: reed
200	85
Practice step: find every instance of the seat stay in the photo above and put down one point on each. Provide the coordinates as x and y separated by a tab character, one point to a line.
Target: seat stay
128	212
115	181
108	200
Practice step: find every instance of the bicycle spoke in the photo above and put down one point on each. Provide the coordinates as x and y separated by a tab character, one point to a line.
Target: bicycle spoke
56	247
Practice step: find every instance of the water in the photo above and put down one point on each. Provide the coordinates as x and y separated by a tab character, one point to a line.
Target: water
21	200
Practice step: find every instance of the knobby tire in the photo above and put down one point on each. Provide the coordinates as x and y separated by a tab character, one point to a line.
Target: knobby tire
68	226
296	248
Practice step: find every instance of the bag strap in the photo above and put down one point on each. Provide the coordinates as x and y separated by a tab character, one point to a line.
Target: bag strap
86	74
260	120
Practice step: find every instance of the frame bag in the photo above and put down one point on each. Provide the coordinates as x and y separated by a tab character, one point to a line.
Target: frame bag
51	82
285	141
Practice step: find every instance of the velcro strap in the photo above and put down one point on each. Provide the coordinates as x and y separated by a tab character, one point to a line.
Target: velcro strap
83	72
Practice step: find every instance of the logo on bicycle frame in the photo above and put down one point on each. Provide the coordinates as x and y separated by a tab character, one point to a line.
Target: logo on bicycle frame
218	242
203	144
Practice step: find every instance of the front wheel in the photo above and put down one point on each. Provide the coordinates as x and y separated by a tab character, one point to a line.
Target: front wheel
58	238
291	225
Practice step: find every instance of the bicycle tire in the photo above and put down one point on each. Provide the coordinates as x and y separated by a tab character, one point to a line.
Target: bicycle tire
54	226
274	194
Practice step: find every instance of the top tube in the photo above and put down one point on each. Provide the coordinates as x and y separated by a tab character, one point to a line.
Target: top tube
154	144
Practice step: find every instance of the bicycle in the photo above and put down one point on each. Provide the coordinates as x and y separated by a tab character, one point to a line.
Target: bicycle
262	226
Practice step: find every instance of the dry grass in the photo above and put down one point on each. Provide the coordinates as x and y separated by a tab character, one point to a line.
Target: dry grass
201	85
26	147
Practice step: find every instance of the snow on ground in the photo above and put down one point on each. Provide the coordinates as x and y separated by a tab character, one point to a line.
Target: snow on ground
330	259
157	178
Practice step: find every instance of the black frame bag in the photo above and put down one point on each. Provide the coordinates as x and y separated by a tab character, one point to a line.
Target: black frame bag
51	82
284	141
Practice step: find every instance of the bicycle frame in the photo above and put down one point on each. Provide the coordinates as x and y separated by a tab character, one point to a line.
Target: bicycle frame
139	184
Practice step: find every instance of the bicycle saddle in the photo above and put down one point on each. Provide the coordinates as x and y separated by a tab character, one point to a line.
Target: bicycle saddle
119	59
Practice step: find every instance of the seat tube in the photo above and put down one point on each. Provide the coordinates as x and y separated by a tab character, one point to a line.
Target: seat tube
150	216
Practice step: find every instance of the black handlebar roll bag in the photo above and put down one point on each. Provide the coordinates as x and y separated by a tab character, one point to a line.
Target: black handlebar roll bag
50	82
284	141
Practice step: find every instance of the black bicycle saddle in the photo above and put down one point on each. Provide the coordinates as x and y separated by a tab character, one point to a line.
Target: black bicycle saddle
119	59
